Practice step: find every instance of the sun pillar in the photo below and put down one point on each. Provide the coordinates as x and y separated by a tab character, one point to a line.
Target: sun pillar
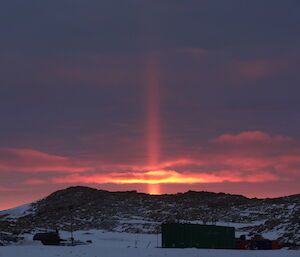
153	115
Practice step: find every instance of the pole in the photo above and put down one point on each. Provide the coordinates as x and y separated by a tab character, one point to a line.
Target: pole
71	225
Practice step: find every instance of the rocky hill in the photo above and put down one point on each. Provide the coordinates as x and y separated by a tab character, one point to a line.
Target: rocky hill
88	208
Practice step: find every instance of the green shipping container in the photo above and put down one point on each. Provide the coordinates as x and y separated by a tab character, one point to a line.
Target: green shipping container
177	235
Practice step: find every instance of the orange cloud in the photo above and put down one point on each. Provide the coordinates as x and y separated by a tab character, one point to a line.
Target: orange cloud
5	189
252	137
35	181
27	160
165	177
170	163
251	156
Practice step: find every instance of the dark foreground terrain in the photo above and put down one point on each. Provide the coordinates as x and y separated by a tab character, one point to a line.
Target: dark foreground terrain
88	208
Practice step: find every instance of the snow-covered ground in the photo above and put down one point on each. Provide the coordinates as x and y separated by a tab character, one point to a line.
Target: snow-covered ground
18	211
109	244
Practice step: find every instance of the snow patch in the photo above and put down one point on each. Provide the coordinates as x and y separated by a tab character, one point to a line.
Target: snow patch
18	212
111	244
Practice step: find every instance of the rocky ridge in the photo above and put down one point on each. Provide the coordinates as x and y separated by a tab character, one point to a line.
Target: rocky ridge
88	208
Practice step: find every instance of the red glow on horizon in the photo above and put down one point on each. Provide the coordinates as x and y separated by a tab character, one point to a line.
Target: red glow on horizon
234	160
157	177
153	189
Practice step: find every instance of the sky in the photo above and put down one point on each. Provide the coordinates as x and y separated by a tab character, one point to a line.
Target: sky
158	96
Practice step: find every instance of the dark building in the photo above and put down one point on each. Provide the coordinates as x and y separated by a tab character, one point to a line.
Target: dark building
177	235
49	238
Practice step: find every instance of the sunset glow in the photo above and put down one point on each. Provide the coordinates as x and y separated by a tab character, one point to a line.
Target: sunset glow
153	189
158	177
153	96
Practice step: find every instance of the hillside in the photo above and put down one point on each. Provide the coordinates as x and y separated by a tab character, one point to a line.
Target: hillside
88	208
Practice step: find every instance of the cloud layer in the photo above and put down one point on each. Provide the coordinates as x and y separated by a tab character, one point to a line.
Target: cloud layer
252	157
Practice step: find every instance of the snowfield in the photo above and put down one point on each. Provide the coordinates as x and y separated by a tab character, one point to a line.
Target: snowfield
110	244
18	212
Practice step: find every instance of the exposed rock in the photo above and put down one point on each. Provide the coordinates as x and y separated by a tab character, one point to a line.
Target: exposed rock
88	208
